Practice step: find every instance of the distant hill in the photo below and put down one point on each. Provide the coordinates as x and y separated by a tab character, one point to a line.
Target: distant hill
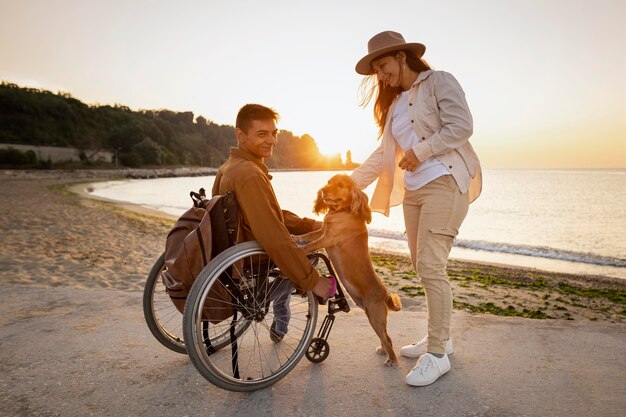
142	138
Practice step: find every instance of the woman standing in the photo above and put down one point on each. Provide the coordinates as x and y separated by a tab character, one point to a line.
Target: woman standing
425	162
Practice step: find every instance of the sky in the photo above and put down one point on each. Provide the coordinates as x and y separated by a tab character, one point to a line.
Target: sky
545	79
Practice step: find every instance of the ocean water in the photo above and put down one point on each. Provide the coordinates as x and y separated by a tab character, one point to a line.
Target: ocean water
559	220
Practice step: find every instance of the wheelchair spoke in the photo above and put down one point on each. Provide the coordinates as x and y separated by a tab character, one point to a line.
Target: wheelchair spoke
165	320
167	307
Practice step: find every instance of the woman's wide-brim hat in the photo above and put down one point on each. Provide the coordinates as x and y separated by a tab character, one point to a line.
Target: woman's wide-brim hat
381	44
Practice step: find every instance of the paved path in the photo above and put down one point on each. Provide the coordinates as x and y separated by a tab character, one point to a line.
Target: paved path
71	352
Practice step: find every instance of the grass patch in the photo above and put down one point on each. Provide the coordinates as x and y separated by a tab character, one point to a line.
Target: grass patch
508	291
488	280
615	296
509	311
384	262
412	290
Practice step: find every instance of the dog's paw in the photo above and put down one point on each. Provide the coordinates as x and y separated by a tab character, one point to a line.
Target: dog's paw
381	351
391	363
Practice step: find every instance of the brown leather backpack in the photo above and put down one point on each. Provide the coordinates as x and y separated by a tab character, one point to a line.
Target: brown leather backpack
200	234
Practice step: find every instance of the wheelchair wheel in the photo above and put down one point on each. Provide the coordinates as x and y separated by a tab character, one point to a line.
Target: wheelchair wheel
166	322
240	284
162	317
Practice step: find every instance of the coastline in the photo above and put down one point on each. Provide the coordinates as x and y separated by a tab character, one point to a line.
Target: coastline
102	174
54	236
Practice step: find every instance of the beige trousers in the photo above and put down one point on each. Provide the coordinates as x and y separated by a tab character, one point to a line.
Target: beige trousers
432	216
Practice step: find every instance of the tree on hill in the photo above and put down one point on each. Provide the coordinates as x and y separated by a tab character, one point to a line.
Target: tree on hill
30	116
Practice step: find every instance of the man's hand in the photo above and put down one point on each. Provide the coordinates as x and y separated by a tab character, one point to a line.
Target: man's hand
409	162
322	288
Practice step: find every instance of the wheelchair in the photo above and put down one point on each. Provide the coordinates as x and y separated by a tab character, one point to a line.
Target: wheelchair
229	316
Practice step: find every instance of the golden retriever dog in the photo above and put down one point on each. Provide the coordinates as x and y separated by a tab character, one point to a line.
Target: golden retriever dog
344	236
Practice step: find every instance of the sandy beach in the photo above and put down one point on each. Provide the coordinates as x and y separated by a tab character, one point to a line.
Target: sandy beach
73	340
53	236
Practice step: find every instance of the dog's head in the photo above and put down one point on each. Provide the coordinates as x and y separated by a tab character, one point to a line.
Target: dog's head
341	194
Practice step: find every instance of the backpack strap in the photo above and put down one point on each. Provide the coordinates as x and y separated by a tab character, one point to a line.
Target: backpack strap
199	199
224	222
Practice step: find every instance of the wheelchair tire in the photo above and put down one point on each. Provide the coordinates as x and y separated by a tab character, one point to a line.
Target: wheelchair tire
253	361
165	321
162	317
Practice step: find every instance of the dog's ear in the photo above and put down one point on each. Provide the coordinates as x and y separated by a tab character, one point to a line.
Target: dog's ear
360	206
320	206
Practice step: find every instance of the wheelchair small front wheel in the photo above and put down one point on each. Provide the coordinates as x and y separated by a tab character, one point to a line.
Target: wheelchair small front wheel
318	350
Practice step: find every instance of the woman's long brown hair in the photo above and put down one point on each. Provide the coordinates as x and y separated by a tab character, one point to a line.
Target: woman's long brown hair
385	95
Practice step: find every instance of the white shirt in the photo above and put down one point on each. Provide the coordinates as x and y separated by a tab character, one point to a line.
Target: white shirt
406	138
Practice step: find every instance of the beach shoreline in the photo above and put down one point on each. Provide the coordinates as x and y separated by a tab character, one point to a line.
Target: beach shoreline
55	236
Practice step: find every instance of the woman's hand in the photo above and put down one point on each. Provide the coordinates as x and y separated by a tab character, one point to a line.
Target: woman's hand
409	162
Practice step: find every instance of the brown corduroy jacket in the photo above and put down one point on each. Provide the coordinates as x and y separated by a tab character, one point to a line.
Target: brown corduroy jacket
262	219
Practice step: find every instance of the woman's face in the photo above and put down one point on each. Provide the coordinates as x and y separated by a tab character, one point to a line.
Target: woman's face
387	70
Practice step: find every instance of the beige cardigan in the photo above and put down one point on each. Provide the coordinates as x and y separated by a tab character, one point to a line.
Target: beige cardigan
443	122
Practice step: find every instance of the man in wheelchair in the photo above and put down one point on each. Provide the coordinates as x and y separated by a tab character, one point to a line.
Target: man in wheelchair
245	174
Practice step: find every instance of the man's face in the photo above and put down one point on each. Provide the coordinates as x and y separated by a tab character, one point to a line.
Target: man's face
260	138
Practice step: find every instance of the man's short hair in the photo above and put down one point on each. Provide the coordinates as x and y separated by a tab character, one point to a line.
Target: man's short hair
251	112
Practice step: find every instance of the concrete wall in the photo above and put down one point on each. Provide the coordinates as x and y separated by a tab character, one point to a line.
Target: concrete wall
58	154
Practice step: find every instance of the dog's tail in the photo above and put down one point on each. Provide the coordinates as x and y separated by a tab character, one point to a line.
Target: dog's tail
393	302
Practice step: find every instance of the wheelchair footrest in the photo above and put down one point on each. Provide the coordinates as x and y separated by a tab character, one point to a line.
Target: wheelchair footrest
339	303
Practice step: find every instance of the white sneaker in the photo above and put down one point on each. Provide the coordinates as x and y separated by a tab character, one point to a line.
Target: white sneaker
427	370
418	349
